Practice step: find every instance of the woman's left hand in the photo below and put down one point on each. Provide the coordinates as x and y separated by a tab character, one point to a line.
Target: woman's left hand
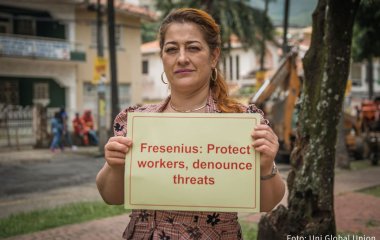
265	141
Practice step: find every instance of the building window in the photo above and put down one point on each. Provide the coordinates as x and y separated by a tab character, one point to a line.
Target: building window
237	68
41	91
9	93
5	23
145	67
118	35
3	28
231	66
124	95
25	26
356	74
224	66
90	97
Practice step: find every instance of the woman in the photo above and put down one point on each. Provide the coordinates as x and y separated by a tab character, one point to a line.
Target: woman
56	129
89	130
190	49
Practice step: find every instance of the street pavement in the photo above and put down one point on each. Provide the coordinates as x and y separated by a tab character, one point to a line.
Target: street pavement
37	178
84	189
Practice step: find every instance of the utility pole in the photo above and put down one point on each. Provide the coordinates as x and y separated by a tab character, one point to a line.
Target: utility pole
101	81
285	47
260	75
262	57
112	53
99	32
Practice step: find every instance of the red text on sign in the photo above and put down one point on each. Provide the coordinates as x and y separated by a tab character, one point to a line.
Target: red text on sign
211	148
145	147
161	164
222	165
205	180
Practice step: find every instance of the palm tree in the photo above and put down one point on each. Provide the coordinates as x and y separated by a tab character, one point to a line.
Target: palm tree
234	17
366	44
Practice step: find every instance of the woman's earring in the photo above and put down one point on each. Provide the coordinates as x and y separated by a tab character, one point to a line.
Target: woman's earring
214	74
162	78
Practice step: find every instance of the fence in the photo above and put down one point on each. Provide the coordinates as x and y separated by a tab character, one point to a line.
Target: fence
16	126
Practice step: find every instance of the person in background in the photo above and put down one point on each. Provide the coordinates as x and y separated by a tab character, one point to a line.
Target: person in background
78	126
66	136
56	130
89	128
190	45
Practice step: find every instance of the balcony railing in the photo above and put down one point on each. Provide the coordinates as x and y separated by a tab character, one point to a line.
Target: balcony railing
34	47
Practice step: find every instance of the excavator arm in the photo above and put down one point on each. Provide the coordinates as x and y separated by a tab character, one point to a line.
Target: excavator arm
282	90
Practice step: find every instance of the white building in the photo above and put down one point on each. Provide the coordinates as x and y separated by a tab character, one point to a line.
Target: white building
358	77
48	51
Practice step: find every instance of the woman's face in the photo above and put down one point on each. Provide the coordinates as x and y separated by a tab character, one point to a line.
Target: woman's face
187	58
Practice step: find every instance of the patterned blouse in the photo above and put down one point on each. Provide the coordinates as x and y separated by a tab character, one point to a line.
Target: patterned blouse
179	225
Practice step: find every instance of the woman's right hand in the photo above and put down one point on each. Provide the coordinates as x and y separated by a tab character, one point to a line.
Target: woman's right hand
110	179
116	149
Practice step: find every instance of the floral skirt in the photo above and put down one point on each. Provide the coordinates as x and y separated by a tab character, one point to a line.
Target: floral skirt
182	225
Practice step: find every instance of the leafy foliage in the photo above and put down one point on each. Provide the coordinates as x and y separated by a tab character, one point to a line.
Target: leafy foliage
234	17
249	230
366	41
149	31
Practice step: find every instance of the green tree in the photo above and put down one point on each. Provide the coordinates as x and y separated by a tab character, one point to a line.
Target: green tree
149	31
366	41
310	208
234	16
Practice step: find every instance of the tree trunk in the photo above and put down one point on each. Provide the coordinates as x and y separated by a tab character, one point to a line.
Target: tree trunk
311	181
40	123
342	157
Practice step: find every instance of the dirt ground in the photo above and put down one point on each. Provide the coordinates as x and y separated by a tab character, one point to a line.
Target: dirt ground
358	213
355	213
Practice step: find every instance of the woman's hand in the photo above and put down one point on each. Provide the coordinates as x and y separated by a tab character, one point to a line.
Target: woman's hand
116	149
110	179
272	191
265	141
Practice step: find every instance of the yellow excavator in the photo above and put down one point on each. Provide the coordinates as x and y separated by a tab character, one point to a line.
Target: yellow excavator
278	96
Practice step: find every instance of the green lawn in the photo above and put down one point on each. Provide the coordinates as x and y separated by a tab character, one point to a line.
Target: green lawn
360	164
249	231
374	191
43	219
76	213
355	165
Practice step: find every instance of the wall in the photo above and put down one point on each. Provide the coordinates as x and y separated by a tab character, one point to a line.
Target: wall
361	90
128	58
154	88
62	72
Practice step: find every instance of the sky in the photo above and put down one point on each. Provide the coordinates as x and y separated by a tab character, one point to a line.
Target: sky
299	14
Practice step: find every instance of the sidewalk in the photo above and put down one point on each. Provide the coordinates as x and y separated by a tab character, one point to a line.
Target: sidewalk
30	155
355	212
